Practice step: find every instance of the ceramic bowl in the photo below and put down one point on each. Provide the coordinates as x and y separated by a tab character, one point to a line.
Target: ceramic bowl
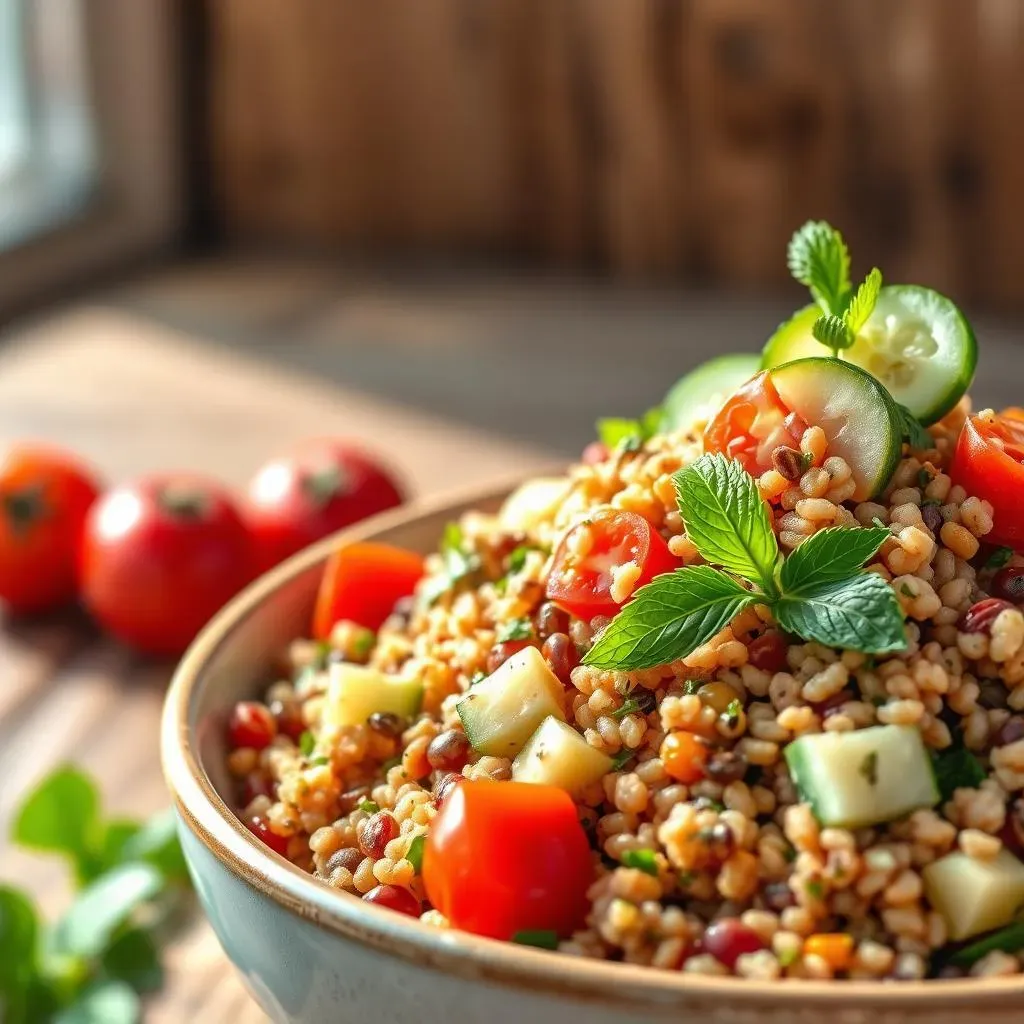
309	954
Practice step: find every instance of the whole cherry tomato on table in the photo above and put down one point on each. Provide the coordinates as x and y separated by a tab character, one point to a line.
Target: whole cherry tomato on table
362	583
322	486
45	495
989	464
160	557
581	574
508	857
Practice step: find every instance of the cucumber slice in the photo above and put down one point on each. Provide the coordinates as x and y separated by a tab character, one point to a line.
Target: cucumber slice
975	896
853	779
859	418
916	342
700	394
502	713
557	755
355	692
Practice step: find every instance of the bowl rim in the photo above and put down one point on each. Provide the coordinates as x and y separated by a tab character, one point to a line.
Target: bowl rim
456	953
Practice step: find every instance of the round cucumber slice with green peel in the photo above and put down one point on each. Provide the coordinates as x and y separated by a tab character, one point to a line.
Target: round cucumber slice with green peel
916	342
699	394
857	414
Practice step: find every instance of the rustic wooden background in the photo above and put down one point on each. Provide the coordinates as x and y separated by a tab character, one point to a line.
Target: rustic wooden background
678	139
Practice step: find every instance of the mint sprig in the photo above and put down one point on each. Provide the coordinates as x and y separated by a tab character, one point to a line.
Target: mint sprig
819	592
627	434
818	258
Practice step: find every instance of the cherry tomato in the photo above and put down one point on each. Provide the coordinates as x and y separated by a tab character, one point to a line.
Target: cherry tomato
768	652
362	583
45	495
505	857
581	583
989	464
300	497
746	419
160	557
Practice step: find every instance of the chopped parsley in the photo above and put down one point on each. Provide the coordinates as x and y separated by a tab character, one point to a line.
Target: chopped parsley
363	643
642	860
878	522
733	710
369	806
318	762
789	853
619	759
459	563
307	743
691	686
629	707
999	558
815	889
906	590
514	629
924	478
957	768
538	937
322	652
788	957
869	768
414	855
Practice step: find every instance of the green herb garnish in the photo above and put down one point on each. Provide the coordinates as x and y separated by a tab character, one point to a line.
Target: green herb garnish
999	558
414	855
814	889
514	629
788	957
307	743
1009	939
363	643
459	560
915	434
957	768
536	937
642	860
93	964
869	768
691	686
620	759
630	435
818	593
629	707
369	806
318	762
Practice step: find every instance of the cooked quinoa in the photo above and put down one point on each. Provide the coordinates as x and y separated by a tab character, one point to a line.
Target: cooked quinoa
738	847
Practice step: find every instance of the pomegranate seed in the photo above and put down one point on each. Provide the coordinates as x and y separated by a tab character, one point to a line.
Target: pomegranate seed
768	652
595	452
378	831
500	653
834	704
256	784
443	787
261	830
551	619
251	725
1008	584
1010	731
288	716
980	616
448	751
349	858
561	655
394	897
728	939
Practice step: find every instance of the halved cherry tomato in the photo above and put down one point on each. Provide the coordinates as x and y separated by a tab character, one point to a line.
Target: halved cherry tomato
362	583
581	574
44	497
506	857
989	464
745	420
160	557
309	493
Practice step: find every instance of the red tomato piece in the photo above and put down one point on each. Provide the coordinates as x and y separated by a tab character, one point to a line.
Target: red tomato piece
45	495
989	464
251	725
160	557
259	828
581	583
506	857
362	583
746	419
310	493
768	652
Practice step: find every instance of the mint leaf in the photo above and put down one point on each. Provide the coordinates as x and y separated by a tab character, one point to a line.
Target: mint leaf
727	519
108	1002
614	431
102	907
832	554
831	330
19	939
914	432
957	768
61	815
862	305
669	618
858	614
818	258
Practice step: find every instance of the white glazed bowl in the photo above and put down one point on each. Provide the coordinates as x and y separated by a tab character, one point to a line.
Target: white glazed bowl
310	955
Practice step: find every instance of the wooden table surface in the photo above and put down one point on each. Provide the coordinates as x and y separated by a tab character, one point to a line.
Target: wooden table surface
133	397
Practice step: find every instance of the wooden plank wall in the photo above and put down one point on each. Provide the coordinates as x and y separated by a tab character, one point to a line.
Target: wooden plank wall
679	139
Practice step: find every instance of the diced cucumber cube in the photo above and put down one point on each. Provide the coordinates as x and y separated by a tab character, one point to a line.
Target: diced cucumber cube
501	713
852	779
355	692
557	755
975	896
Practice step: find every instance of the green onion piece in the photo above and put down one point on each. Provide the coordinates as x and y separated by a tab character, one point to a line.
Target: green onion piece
1009	940
536	937
642	860
306	743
